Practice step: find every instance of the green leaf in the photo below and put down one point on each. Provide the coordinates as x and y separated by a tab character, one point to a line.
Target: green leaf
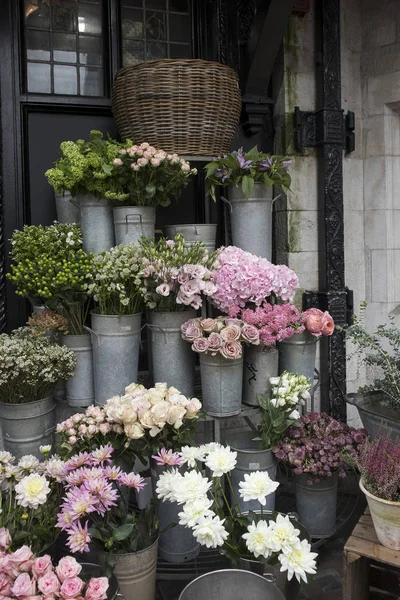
150	190
247	185
253	154
121	533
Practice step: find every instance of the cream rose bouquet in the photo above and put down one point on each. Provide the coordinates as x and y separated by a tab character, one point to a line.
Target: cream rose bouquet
222	335
217	522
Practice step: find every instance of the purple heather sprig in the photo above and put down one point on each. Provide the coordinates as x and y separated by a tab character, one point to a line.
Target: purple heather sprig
379	464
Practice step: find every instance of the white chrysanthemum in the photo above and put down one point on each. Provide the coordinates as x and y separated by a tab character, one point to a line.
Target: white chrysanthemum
283	534
299	561
191	487
210	447
221	460
55	468
257	486
32	490
6	457
28	462
210	532
167	484
193	511
191	455
258	539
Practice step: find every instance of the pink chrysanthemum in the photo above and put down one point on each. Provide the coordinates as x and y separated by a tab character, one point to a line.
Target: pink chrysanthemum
167	457
79	502
79	460
112	472
132	480
102	454
78	537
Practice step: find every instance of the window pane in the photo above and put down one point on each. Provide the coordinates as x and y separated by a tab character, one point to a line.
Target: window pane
132	4
179	5
63	16
154	51
132	23
89	18
65	80
91	81
38	45
160	4
155	25
36	14
132	52
39	78
179	28
91	50
64	47
180	51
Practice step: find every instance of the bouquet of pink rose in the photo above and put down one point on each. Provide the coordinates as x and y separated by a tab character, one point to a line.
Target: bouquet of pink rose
242	278
222	335
24	576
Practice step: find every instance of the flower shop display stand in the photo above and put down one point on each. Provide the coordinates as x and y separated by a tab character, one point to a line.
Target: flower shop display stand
370	570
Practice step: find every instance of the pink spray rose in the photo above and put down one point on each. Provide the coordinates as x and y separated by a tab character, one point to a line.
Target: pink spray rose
231	350
42	565
71	588
97	589
23	586
49	584
22	560
200	345
5	538
67	568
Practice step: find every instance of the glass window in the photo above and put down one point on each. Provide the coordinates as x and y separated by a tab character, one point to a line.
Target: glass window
64	46
153	29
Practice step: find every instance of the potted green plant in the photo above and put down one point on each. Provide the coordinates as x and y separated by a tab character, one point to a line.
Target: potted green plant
50	267
314	450
176	278
85	169
144	178
379	402
29	371
250	177
116	287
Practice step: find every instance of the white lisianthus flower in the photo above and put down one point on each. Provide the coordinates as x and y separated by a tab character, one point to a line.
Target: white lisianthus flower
258	539
294	414
274	380
284	536
193	511
221	461
191	455
167	484
210	532
28	462
191	486
32	491
299	561
45	449
257	486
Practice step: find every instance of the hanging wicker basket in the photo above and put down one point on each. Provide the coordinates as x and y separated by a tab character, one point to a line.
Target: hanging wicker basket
191	107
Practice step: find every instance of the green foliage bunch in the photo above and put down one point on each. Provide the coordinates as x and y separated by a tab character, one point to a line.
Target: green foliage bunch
244	169
50	267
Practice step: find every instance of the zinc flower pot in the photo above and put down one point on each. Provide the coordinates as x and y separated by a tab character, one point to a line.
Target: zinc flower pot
250	458
231	583
67	208
116	344
96	223
251	220
28	426
136	572
172	359
316	504
297	355
80	387
385	517
194	233
375	415
131	222
260	363
221	384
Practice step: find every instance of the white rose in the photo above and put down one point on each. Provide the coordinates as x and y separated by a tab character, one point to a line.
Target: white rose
134	431
175	415
160	413
193	408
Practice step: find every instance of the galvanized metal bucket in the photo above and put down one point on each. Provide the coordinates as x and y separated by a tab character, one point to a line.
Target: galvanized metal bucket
80	387
194	233
131	222
67	208
375	415
37	309
172	358
316	504
297	355
116	345
221	384
231	584
250	458
136	573
251	220
28	426
96	223
260	363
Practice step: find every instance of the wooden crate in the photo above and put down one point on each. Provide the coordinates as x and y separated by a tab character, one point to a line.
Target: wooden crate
371	571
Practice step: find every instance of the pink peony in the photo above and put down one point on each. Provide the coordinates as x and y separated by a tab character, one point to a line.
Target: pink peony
200	345
313	320
68	567
71	588
42	565
231	350
230	333
97	588
5	538
117	162
328	325
22	560
49	584
23	586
